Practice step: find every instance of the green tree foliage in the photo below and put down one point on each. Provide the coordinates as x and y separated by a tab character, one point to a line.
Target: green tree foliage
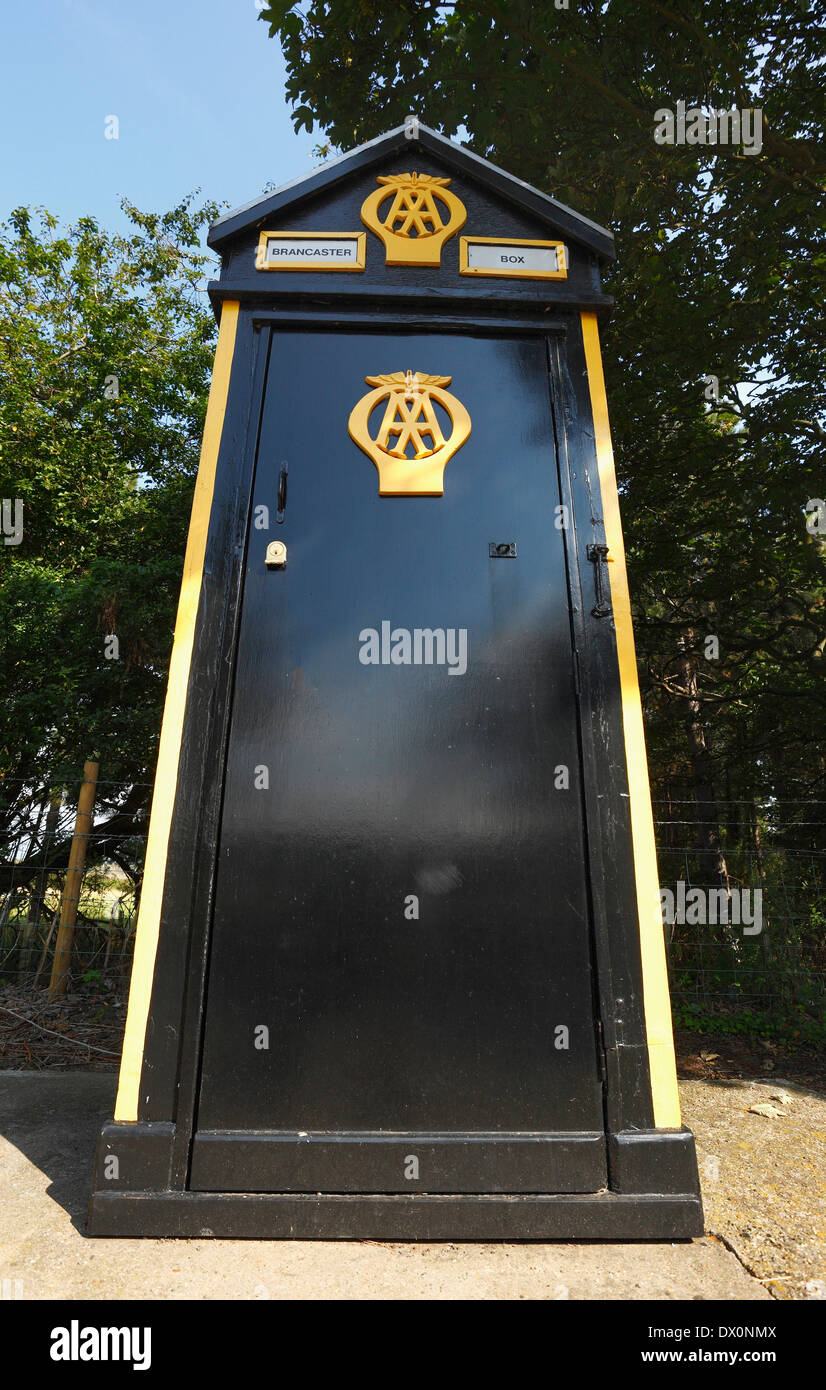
719	274
106	345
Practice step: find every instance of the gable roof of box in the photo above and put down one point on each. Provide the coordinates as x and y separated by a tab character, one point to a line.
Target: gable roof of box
519	194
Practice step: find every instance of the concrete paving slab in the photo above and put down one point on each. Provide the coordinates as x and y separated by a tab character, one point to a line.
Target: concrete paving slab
48	1126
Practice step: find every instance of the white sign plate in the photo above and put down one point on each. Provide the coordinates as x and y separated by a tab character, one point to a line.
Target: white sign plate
532	260
311	251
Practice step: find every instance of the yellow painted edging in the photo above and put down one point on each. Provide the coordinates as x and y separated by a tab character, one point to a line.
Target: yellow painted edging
656	1001
166	777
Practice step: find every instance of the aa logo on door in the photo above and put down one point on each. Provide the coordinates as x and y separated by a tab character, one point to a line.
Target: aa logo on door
423	215
409	447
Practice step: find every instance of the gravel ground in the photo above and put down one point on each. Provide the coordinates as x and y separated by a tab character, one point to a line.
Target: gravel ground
764	1177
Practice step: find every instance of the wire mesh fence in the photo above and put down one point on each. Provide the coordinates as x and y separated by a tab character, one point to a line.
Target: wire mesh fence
749	942
767	857
37	824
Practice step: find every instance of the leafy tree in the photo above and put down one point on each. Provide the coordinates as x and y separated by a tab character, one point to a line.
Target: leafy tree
105	351
719	274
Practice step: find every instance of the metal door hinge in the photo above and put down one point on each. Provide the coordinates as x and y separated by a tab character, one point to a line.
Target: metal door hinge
603	1069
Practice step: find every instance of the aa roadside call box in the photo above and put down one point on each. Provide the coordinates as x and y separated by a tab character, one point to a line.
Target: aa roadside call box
399	969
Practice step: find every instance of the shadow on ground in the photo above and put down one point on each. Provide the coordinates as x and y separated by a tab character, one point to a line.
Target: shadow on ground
49	1124
54	1120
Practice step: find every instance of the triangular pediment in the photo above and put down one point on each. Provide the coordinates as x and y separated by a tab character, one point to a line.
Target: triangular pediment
415	141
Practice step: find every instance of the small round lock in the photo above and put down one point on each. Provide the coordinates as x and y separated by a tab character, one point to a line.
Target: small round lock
276	556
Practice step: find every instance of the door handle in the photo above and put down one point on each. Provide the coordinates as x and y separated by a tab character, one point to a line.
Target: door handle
598	555
282	495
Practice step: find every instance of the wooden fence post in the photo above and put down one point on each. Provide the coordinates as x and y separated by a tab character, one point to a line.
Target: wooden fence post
74	878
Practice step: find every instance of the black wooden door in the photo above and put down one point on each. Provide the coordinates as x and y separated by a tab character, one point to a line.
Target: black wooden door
400	988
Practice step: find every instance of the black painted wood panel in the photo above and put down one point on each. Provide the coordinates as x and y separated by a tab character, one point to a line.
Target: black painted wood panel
339	209
390	781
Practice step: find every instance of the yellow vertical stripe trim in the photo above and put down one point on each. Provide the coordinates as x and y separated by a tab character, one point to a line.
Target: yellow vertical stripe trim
656	1002
166	776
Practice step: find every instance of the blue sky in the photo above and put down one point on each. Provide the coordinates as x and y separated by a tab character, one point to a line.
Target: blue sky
197	86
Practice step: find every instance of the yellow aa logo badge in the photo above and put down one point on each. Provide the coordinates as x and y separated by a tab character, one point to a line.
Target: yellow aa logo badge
417	223
409	447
